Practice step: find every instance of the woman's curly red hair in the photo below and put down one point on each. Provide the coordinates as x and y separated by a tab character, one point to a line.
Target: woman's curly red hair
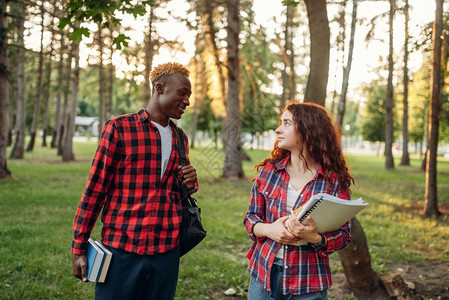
320	138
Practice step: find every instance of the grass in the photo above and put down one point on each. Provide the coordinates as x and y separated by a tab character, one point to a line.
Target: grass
38	203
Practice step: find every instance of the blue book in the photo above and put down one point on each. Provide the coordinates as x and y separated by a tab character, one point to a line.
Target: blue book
106	262
95	257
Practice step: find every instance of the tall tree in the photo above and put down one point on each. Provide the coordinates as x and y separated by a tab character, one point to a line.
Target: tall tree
47	81
405	159
233	150
65	104
37	100
57	127
288	57
4	89
20	127
431	196
101	78
67	154
149	54
389	162
347	68
319	51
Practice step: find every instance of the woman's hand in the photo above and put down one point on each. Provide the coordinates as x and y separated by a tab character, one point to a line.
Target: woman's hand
276	231
307	232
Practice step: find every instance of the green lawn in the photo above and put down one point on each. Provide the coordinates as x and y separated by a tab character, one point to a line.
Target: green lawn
38	203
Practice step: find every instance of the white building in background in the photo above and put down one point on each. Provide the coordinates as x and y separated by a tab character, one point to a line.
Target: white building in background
86	126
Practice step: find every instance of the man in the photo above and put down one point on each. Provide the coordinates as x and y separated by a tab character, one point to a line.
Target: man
136	179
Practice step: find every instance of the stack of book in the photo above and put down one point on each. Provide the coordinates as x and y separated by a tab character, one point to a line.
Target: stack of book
98	260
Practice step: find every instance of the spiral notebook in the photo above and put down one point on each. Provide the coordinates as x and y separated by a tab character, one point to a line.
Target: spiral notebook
329	212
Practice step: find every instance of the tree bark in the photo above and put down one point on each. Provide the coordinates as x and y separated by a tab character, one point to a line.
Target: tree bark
347	69
198	90
431	196
101	80
356	262
319	51
19	143
63	129
59	111
37	102
68	154
4	90
389	162
46	87
149	54
233	161
405	159
111	77
288	56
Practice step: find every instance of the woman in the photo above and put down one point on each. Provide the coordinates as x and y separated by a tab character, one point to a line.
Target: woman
307	159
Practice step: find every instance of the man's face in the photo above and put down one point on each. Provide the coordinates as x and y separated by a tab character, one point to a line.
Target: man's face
174	96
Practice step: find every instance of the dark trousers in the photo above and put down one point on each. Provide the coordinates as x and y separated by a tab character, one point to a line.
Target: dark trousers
133	276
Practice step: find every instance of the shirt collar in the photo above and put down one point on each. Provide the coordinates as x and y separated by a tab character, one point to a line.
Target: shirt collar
144	116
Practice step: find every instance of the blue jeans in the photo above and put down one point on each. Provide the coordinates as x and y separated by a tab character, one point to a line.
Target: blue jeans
257	292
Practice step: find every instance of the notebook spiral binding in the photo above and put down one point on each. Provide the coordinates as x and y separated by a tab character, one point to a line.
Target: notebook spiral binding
311	209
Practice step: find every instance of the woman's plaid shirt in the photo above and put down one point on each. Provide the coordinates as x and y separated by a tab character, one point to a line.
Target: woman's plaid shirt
141	211
305	270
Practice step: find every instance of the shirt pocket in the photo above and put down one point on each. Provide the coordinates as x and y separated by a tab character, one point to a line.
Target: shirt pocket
273	200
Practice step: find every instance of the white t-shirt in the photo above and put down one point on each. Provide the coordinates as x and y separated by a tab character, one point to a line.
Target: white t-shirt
292	196
166	143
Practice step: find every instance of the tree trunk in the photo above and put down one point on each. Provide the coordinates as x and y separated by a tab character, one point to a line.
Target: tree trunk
211	34
68	154
356	262
340	55
198	90
431	206
405	159
59	111
111	77
347	69
19	144
64	113
389	162
101	80
4	90
233	161
46	88
37	103
288	77
149	54
319	51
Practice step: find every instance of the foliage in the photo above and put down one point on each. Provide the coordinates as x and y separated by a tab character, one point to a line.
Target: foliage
373	125
257	66
101	12
419	95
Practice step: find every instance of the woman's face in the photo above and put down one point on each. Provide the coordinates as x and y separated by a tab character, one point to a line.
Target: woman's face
288	137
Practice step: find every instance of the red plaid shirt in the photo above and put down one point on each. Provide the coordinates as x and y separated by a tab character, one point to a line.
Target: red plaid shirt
141	211
305	270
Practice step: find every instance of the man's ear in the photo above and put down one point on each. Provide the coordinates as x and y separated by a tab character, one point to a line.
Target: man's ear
159	87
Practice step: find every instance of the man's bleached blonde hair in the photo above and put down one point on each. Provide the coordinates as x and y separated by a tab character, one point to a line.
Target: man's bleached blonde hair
163	72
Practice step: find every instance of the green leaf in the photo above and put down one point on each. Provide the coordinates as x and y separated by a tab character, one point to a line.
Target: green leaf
120	40
77	34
